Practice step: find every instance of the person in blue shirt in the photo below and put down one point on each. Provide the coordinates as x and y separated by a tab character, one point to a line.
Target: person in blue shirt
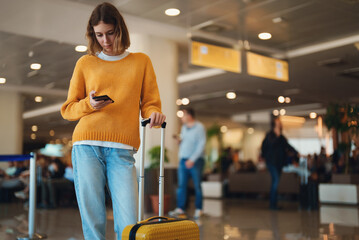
191	155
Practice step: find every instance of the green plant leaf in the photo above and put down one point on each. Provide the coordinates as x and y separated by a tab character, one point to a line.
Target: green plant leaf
155	156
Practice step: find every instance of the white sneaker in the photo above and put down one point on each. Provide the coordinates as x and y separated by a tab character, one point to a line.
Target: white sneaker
198	213
176	213
21	195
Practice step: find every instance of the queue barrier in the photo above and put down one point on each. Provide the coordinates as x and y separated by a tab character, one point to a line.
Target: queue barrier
32	235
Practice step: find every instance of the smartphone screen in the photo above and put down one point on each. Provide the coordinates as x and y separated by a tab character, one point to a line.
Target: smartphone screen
102	98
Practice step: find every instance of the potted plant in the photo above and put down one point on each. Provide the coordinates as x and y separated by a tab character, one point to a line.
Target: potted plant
214	145
343	120
155	155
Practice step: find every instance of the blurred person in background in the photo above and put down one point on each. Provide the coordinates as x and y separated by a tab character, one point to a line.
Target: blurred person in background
13	175
191	155
54	179
339	166
21	166
13	179
226	161
275	151
9	171
41	172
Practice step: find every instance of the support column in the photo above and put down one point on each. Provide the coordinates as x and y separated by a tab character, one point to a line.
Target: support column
164	57
11	127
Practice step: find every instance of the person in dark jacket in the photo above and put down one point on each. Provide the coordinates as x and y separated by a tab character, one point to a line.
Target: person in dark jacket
49	185
275	151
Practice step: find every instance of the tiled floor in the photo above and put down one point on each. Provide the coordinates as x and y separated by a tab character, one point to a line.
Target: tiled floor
225	219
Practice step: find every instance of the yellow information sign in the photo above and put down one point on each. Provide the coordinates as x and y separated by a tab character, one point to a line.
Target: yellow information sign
266	67
208	55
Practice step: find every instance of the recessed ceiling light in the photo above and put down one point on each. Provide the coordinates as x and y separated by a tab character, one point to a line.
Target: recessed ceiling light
275	112
33	136
282	112
172	12
281	99
185	101
231	95
224	129
250	130
277	20
265	36
312	115
2	80
180	113
34	128
38	99
80	48
35	66
288	100
179	102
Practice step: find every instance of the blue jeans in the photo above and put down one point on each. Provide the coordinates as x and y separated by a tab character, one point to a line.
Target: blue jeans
184	175
94	168
275	173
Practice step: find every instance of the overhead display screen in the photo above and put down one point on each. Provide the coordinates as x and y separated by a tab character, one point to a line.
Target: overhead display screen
266	67
208	55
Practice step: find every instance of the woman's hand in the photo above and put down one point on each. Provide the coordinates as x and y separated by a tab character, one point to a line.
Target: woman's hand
157	119
98	104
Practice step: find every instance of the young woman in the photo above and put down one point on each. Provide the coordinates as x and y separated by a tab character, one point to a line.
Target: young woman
107	134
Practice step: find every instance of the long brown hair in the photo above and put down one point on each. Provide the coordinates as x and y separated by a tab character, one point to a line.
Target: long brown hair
109	14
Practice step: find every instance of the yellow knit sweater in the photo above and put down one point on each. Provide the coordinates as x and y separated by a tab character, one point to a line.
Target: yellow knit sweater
130	82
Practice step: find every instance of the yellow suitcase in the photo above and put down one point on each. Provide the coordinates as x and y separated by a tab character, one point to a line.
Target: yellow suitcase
158	228
166	229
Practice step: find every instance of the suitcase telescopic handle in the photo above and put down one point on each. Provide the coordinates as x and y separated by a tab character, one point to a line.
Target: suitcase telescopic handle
144	123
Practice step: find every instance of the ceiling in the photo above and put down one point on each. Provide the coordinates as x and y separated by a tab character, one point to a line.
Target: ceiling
315	77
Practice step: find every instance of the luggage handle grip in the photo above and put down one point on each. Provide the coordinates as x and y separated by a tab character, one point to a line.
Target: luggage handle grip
144	123
154	218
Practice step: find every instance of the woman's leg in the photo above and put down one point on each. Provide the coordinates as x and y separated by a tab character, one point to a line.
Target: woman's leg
90	180
122	182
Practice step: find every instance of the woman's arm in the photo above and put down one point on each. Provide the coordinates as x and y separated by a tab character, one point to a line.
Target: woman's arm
150	97
77	104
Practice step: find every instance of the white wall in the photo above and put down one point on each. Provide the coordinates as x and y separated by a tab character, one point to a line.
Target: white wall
248	143
252	145
11	128
306	139
307	146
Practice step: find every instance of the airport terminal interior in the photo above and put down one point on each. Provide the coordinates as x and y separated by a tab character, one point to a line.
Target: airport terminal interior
239	65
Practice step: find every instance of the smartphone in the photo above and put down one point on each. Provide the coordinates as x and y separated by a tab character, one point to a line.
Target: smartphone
102	98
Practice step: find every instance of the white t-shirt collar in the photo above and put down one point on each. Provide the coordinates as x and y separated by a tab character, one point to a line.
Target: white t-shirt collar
105	57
